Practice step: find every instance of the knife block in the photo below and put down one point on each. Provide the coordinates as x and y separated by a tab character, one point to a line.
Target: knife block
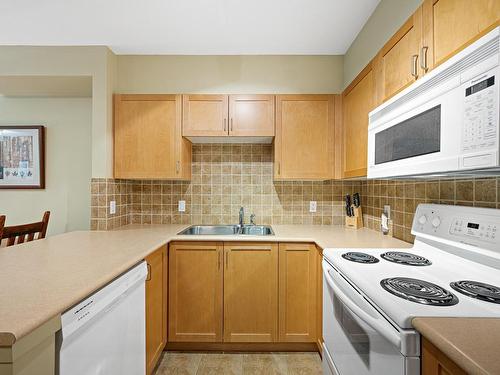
355	221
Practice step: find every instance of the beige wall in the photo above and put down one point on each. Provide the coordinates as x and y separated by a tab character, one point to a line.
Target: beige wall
229	74
68	162
97	62
387	18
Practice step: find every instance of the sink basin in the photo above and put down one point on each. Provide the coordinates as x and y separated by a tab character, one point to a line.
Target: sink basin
228	230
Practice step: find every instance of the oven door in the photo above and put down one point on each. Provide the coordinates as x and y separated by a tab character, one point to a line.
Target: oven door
357	338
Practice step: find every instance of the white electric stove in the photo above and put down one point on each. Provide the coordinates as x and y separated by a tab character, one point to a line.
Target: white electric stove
370	296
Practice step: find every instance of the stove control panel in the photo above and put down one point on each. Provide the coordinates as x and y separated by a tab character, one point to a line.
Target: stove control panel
479	227
481	230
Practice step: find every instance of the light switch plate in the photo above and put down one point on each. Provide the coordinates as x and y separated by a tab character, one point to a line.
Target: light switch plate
112	207
182	206
313	206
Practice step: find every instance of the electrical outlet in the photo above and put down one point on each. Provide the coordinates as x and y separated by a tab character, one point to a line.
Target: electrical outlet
313	206
112	207
387	210
182	206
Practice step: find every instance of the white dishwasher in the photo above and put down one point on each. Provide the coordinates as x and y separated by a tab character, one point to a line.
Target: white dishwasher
105	333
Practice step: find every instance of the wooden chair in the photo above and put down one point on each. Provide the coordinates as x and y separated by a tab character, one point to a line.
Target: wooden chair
17	234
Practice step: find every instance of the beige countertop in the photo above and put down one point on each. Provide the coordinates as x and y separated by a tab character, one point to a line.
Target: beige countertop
472	343
41	279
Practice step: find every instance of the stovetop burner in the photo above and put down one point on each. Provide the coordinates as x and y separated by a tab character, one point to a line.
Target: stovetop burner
419	291
360	257
475	289
406	258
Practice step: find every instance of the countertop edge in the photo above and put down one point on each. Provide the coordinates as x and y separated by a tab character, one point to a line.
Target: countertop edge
447	346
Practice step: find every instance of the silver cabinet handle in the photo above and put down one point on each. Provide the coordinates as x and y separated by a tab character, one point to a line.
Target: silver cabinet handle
231	124
227	258
414	66
177	166
423	58
218	261
224	124
279	168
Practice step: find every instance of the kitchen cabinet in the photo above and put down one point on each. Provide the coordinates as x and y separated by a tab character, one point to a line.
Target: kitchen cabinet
250	292
450	25
251	115
195	292
304	142
156	305
319	299
298	284
147	138
397	64
205	115
357	102
228	115
435	362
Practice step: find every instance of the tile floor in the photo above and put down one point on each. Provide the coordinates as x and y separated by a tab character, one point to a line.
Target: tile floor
239	364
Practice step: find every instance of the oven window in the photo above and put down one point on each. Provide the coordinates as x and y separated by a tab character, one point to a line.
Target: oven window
419	135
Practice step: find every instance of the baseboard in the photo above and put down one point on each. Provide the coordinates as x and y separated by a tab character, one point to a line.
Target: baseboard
242	347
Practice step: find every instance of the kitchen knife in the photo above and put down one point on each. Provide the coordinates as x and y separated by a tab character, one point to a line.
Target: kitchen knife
348	208
356	200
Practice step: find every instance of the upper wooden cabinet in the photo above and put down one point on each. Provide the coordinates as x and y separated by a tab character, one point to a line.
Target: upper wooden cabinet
250	292
397	63
147	138
195	292
450	25
251	115
298	284
228	115
205	115
357	102
304	142
156	307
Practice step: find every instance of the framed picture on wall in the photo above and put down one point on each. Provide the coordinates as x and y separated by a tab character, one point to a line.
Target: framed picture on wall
22	157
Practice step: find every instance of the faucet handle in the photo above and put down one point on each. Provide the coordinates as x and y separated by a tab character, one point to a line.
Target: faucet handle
252	219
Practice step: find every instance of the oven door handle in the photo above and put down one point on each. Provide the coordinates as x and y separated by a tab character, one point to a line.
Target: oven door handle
382	327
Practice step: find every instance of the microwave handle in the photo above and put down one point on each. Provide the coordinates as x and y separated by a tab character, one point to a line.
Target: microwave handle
385	330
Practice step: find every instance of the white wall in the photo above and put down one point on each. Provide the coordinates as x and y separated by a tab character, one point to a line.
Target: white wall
68	165
387	18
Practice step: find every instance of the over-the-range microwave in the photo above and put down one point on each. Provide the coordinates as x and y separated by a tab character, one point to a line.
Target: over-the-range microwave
445	123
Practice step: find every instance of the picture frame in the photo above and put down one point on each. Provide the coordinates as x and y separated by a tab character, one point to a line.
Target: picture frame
22	157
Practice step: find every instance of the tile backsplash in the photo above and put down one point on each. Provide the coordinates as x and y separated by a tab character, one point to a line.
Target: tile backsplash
224	178
228	176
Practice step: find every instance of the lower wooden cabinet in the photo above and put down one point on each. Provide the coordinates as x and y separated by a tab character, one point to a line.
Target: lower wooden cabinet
250	292
156	314
195	292
243	292
435	362
298	292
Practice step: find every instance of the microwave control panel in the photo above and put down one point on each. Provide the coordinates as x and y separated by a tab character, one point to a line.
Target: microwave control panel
480	115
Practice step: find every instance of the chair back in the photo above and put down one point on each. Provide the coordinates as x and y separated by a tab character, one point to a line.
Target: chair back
17	234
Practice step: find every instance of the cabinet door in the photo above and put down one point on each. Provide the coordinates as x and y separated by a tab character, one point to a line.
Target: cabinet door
450	25
434	362
147	137
251	115
205	115
357	102
250	292
303	147
297	292
156	325
319	298
195	292
397	65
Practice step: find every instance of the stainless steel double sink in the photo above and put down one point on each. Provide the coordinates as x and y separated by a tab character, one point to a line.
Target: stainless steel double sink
228	230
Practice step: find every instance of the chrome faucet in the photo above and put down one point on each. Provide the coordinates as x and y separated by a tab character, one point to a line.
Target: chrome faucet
242	216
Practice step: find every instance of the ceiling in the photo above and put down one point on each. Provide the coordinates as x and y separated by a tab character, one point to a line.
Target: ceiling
188	27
